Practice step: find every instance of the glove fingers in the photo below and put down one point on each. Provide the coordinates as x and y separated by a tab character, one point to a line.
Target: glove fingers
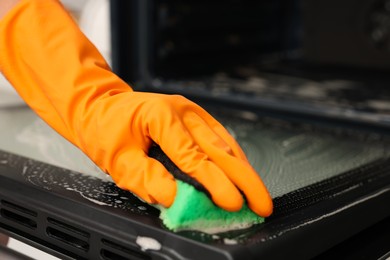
245	178
167	129
239	171
177	143
144	176
223	192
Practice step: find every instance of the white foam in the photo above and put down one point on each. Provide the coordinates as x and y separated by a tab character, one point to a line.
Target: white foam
228	241
88	198
148	243
209	227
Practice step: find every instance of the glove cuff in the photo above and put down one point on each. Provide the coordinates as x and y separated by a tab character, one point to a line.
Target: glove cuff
53	66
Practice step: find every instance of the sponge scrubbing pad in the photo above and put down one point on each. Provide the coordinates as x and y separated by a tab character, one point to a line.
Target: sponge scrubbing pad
193	210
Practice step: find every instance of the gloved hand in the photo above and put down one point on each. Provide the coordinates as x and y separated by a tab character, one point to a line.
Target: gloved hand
62	76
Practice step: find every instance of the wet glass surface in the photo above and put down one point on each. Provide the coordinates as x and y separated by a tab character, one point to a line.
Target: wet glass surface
289	157
286	156
22	132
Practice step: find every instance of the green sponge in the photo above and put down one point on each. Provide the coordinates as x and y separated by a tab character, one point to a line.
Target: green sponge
193	210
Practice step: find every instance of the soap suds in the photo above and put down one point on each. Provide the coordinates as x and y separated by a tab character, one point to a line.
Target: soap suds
93	189
88	198
148	243
208	227
287	159
228	241
107	193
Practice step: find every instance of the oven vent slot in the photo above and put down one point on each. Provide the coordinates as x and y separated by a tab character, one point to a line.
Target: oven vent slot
68	234
18	214
19	208
68	227
113	251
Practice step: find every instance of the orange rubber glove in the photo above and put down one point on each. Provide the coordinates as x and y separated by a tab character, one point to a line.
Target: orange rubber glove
62	77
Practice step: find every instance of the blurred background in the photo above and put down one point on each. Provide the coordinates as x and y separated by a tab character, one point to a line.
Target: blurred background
93	18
